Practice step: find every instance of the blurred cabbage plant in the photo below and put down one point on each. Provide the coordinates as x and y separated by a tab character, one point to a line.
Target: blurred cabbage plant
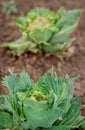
9	7
45	31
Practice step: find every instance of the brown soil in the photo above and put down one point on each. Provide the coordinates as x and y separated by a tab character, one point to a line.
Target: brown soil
37	65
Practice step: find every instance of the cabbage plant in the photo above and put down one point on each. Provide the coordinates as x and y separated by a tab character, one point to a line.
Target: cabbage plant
45	31
47	104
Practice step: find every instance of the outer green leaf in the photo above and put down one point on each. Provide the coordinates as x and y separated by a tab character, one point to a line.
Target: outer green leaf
72	118
59	128
11	82
18	46
16	84
21	22
55	48
66	25
6	120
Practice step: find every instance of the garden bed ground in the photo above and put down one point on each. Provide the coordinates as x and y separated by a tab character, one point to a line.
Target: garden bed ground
37	65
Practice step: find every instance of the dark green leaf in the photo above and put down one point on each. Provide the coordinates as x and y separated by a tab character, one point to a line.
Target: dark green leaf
6	120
